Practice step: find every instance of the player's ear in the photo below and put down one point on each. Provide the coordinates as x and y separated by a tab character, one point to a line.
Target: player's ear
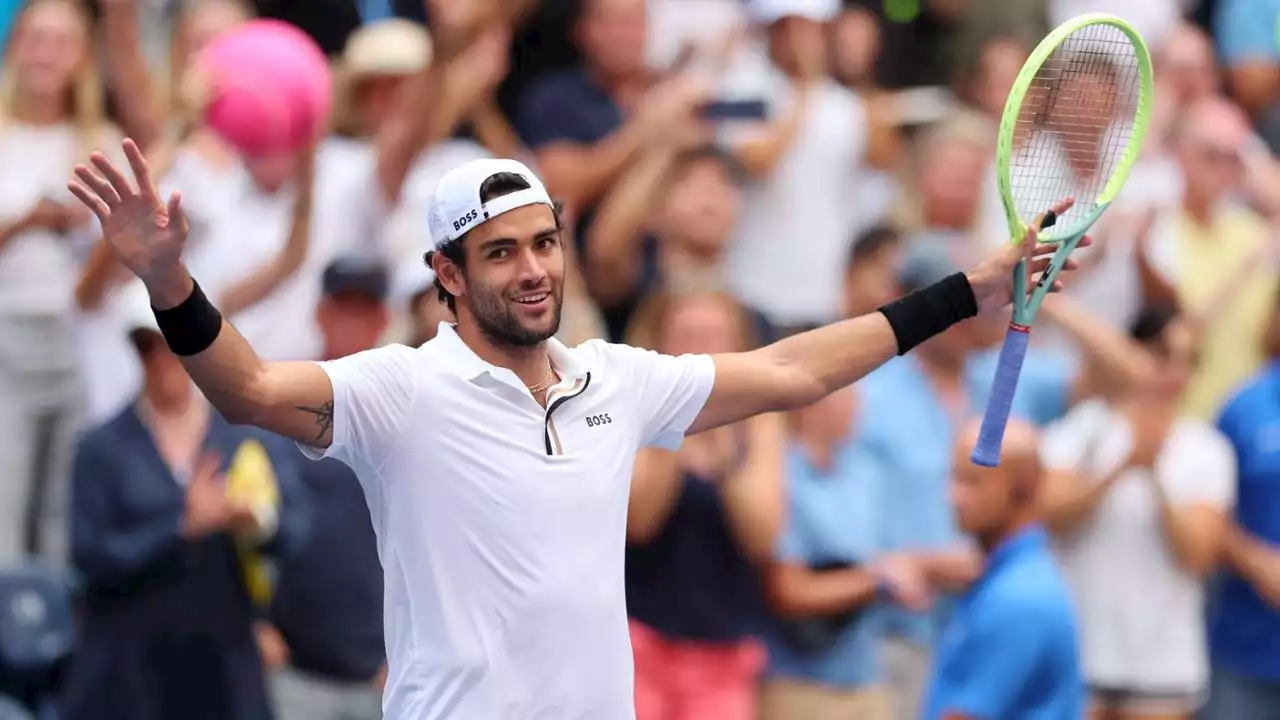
447	272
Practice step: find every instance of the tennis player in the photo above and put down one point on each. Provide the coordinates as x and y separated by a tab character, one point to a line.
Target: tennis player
496	461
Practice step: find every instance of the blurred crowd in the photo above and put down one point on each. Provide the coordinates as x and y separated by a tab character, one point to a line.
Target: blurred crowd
735	171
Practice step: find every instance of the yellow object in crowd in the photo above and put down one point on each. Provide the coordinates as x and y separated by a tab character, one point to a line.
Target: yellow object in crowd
251	480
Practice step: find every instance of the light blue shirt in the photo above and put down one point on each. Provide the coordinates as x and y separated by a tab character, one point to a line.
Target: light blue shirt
833	517
1247	30
1010	650
909	433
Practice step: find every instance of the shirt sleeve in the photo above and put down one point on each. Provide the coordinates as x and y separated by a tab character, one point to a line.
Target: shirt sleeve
1208	476
1001	649
669	392
372	394
790	546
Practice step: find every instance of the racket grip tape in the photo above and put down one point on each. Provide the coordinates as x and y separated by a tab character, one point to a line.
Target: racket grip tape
1000	404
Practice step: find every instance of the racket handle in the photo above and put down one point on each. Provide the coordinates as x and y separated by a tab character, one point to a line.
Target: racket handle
1008	368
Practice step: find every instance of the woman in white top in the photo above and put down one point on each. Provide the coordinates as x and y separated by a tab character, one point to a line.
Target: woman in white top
51	114
1137	500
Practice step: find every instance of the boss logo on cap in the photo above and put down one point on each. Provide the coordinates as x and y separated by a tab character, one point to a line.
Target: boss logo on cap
465	220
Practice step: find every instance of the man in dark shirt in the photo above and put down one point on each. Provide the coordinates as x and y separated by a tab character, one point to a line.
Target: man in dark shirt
587	124
328	608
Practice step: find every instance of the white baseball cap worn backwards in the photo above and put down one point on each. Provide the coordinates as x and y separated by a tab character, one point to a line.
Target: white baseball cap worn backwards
456	207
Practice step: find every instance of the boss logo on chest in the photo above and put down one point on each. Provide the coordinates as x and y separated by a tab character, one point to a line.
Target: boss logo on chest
598	420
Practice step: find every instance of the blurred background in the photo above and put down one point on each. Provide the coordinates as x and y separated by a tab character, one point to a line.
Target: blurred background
735	171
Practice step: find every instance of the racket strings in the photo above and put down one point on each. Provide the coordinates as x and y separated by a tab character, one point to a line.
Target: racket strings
1075	124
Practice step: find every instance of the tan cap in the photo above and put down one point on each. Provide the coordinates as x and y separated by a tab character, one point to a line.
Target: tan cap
387	47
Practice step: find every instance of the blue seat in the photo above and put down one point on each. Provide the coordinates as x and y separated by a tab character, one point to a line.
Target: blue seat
36	631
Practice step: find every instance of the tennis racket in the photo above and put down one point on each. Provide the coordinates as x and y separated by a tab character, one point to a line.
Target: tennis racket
1072	127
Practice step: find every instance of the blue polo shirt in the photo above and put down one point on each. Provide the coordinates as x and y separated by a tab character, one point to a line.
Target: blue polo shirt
1247	30
1244	632
833	518
909	434
1009	651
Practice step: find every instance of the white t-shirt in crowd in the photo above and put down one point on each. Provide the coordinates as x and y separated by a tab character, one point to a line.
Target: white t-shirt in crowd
39	269
501	526
236	228
789	251
1141	615
406	229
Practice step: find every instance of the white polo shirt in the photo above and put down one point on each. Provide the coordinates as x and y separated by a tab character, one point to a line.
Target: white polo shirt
501	525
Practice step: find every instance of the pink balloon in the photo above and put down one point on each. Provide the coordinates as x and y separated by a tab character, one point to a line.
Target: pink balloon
270	88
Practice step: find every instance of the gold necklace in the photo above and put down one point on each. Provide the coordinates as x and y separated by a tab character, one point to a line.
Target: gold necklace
546	384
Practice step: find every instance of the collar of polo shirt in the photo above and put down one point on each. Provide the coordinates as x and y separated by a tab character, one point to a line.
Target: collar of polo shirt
471	367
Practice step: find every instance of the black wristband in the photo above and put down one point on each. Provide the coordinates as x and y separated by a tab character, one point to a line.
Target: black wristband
191	326
920	315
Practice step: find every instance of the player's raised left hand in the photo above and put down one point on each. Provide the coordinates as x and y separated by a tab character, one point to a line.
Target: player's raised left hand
992	279
146	234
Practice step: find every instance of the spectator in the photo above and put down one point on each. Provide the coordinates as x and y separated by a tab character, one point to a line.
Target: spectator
1010	649
1211	244
588	123
667	221
700	524
915	404
871	273
328	609
831	576
915	41
51	114
388	63
855	45
1244	612
807	161
1137	498
167	544
951	166
987	88
414	284
1187	73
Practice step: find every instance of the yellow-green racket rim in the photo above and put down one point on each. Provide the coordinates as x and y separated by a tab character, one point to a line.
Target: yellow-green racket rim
1013	105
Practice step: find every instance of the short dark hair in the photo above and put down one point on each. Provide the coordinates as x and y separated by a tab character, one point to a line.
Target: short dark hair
494	186
1151	322
870	243
730	165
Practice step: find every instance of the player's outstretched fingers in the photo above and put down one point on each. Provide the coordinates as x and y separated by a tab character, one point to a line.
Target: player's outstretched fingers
90	200
96	183
112	174
141	169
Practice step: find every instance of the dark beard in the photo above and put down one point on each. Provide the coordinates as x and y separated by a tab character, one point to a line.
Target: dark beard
501	329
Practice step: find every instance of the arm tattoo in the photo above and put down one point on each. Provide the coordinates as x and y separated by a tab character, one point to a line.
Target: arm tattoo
324	417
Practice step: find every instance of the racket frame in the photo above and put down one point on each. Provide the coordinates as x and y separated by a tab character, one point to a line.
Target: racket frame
1026	305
